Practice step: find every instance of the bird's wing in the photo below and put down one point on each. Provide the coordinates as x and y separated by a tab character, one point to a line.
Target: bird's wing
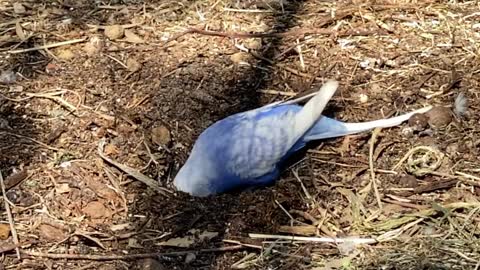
258	141
261	138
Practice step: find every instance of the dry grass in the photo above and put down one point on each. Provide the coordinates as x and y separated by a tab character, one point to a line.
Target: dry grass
183	65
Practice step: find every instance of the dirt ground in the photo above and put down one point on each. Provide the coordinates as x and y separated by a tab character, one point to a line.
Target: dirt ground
146	77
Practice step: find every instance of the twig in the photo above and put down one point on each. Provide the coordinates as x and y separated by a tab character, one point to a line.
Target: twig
127	256
275	92
307	194
294	33
292	220
48	46
356	240
132	172
10	217
261	248
33	140
7	248
248	10
51	95
375	133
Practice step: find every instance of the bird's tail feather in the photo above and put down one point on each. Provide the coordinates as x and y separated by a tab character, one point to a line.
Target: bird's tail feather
312	111
329	128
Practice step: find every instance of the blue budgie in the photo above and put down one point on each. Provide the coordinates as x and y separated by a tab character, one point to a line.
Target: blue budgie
248	149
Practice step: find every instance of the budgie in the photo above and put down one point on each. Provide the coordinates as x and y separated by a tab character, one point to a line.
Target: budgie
248	149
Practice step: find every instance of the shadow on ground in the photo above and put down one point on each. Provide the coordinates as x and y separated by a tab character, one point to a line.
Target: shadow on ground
204	93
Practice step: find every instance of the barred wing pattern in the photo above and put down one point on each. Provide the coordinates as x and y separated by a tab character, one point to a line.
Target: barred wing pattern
260	140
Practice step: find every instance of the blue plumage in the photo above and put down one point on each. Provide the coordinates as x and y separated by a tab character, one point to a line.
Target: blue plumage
247	149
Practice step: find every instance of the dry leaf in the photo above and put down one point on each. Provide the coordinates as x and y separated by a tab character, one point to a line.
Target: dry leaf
19	31
130	36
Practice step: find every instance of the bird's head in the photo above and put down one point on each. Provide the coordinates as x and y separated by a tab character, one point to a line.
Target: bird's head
196	175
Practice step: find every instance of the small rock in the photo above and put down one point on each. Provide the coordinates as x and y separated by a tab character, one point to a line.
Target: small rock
95	209
4	231
65	54
239	57
51	233
131	37
439	117
114	32
190	258
408	181
8	77
151	264
18	8
253	44
94	45
363	98
452	149
418	122
4	124
52	68
161	135
111	150
133	65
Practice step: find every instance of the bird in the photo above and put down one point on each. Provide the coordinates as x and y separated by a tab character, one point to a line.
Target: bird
249	149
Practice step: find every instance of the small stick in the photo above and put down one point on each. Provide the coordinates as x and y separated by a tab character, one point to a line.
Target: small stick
296	32
261	248
285	211
370	162
132	172
127	256
48	46
10	217
248	10
33	140
275	92
356	240
307	194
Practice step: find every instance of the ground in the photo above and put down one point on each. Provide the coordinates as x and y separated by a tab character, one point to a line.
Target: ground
72	79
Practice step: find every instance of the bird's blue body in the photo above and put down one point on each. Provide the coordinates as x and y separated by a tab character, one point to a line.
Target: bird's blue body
248	149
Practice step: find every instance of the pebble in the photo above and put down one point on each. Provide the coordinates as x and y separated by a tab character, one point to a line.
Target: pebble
114	32
418	122
8	77
439	117
94	45
52	233
4	231
161	135
151	264
95	209
133	65
18	8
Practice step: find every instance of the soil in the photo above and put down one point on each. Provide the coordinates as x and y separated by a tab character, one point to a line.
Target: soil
151	92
